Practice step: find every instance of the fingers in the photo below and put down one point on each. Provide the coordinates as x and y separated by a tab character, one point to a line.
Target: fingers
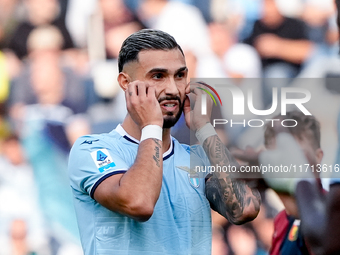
137	88
141	89
142	104
197	89
186	106
187	88
194	85
151	92
194	89
135	91
131	90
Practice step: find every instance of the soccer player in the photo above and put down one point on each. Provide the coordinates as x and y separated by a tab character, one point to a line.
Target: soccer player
321	215
132	187
291	147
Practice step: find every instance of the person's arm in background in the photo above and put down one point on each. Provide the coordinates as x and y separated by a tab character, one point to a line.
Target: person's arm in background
304	196
230	197
311	204
272	46
292	44
331	233
301	193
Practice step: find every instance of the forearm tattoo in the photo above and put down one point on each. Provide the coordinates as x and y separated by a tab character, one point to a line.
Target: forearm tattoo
157	149
228	196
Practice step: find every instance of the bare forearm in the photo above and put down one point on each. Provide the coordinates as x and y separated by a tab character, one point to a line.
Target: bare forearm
135	193
144	178
232	198
294	51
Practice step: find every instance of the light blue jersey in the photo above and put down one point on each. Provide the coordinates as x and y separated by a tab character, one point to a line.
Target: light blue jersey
181	222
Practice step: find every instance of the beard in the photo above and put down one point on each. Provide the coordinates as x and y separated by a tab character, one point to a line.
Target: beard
170	119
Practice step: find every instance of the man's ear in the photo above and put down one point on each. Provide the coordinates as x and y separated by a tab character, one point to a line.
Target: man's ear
123	80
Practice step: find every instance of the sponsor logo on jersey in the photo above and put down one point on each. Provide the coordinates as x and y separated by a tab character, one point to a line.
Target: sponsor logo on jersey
102	159
89	142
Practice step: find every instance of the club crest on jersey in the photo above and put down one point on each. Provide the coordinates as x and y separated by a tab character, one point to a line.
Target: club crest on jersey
194	182
293	233
102	159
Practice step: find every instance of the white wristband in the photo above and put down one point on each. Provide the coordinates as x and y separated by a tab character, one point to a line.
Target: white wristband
151	131
204	132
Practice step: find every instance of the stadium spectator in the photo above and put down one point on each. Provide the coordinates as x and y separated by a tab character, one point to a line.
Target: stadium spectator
43	101
8	20
280	41
43	79
297	146
10	67
319	213
242	65
21	219
184	22
128	198
239	60
5	128
319	18
282	44
39	13
287	238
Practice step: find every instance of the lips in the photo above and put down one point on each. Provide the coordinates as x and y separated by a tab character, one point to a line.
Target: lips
169	105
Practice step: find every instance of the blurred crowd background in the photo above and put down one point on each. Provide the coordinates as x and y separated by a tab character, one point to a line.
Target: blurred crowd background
58	69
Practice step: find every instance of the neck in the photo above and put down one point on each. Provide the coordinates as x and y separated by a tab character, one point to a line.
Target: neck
133	130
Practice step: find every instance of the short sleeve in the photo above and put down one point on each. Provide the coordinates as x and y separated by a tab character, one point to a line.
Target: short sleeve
297	29
90	164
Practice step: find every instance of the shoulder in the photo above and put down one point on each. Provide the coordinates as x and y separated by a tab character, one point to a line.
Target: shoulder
197	155
281	217
83	147
190	149
281	224
96	141
94	157
182	146
89	141
197	149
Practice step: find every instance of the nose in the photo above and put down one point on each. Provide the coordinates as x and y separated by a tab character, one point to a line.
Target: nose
171	87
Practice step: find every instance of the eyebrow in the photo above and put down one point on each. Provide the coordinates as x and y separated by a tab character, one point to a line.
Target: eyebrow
184	68
163	70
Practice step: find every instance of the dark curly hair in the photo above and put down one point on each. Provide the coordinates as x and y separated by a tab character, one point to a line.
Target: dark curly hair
145	39
308	127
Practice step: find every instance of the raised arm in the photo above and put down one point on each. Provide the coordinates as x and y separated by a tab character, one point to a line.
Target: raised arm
230	197
136	192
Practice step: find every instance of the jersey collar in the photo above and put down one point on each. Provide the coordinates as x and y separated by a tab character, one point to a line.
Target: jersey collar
120	130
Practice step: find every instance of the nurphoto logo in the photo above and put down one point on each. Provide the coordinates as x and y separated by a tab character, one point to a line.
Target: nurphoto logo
240	100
